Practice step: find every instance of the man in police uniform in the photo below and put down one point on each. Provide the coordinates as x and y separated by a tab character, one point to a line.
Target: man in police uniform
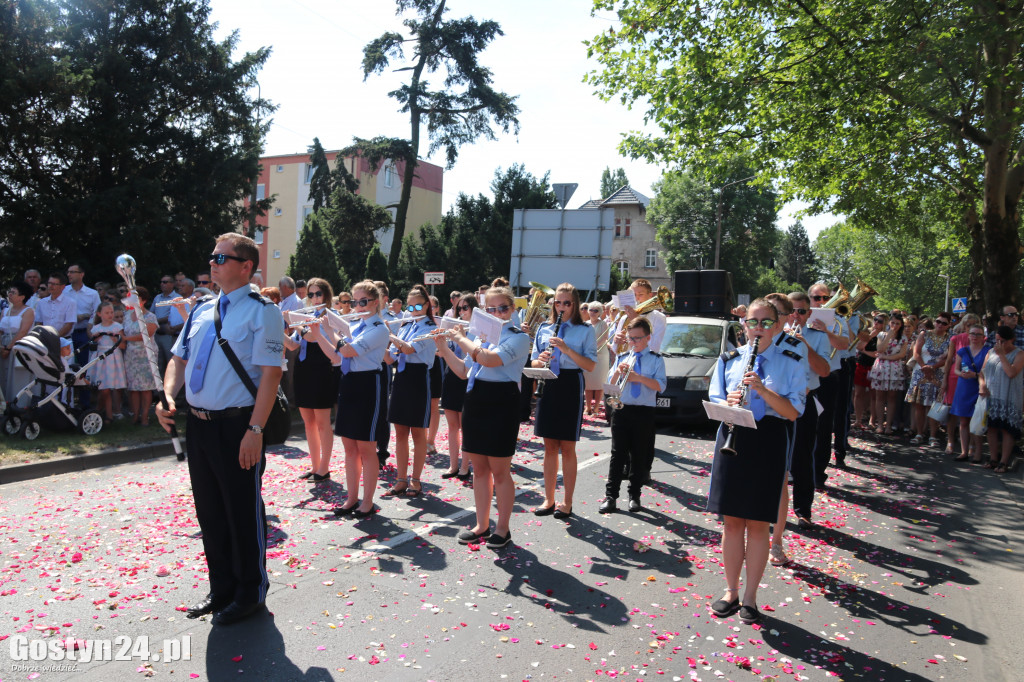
224	437
383	425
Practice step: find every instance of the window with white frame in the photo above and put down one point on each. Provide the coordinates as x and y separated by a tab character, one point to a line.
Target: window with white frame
623	267
310	169
389	174
261	192
651	259
258	237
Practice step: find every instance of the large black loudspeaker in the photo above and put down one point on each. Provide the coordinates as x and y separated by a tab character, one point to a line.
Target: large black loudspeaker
715	293
687	301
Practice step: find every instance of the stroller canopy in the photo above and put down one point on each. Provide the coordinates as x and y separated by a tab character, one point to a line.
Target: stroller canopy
39	352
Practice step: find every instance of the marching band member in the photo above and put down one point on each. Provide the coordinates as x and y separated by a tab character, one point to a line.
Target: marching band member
817	347
409	409
361	391
633	424
316	388
644	292
829	389
383	436
568	350
453	396
490	421
436	387
741	487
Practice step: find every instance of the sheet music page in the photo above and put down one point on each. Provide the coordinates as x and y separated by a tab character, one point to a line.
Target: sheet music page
485	326
338	323
826	315
627	298
738	416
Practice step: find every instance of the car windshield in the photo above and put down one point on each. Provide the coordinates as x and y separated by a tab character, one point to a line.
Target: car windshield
692	338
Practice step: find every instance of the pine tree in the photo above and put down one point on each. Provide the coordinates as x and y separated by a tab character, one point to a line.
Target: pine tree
612	181
314	256
376	265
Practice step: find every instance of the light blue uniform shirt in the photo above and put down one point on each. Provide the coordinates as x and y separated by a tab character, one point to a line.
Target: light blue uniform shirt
651	365
513	349
579	337
425	349
836	360
818	341
370	339
784	374
786	341
853	325
251	328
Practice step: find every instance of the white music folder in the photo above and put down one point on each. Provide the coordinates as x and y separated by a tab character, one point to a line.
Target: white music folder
737	416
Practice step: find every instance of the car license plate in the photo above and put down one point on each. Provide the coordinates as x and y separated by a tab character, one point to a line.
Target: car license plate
664	402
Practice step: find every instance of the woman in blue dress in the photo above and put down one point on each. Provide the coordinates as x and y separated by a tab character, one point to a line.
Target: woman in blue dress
970	359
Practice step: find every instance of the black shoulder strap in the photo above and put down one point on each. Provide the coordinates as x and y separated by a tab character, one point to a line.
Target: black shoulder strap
729	355
791	354
232	358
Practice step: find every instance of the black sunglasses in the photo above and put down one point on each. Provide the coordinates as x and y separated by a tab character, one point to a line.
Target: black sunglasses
318	294
801	311
222	258
820	298
499	309
464	307
360	302
345	301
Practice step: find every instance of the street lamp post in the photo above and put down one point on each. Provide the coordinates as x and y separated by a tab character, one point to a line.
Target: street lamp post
718	230
945	304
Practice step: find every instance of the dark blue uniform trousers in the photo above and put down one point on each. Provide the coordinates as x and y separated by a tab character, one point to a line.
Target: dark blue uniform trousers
229	507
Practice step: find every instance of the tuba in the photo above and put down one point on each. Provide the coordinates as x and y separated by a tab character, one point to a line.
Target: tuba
840	302
537	309
860	294
662	300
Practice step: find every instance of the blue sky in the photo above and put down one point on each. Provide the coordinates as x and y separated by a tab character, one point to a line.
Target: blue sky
314	74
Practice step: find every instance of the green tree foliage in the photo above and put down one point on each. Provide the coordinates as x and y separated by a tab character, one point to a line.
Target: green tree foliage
684	215
123	126
351	224
794	259
903	265
376	268
462	111
612	181
853	105
314	257
473	243
320	184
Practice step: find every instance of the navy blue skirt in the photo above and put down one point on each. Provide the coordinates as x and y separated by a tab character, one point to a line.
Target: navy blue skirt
453	391
490	420
360	395
560	407
410	397
748	485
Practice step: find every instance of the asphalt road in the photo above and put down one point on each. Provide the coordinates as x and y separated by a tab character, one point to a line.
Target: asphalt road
914	575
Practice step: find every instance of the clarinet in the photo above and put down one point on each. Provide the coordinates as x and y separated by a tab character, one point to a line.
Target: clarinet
547	365
744	390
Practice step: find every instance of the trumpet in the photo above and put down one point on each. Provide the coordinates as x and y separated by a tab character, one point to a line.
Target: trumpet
662	300
615	401
727	447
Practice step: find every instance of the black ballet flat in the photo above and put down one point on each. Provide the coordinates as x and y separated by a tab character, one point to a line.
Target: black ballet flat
363	514
465	477
724	609
544	511
345	511
559	514
450	474
308	474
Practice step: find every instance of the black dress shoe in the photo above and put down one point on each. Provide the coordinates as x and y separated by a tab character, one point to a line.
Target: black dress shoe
345	511
356	513
208	605
607	505
634	504
804	522
235	612
559	514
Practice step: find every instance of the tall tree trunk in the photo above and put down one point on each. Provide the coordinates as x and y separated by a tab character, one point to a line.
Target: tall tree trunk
1001	240
975	288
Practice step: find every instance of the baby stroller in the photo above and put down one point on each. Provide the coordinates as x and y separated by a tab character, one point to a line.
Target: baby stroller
39	352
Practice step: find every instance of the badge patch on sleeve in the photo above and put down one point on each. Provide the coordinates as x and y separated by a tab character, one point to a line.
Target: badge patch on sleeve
274	346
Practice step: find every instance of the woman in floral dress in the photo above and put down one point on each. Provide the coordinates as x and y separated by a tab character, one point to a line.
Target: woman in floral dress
141	382
887	373
928	379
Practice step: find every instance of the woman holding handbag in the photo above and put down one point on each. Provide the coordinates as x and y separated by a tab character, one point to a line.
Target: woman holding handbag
887	374
1000	382
927	381
969	361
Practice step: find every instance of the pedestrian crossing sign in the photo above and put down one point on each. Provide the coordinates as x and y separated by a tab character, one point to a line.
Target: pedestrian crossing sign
960	305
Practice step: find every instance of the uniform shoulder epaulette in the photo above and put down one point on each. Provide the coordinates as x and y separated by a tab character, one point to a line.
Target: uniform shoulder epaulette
262	299
792	340
791	354
377	323
657	355
516	330
729	355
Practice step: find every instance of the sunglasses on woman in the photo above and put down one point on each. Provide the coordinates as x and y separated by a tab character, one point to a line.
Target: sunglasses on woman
499	309
754	323
316	294
414	308
464	307
360	302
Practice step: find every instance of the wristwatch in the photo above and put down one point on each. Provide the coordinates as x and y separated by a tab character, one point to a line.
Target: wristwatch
256	429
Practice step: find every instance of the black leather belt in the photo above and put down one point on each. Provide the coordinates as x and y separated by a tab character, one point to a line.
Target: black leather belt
210	415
